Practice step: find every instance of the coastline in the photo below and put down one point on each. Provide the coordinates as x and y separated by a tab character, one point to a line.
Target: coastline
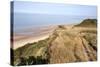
23	42
35	36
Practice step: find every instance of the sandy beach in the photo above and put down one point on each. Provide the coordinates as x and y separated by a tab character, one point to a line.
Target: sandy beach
20	39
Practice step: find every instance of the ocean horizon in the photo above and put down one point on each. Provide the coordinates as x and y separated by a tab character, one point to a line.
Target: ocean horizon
24	21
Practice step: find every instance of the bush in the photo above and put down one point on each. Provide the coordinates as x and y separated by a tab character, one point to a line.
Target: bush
32	60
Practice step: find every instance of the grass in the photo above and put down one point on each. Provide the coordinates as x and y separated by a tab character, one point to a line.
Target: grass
89	31
88	23
64	45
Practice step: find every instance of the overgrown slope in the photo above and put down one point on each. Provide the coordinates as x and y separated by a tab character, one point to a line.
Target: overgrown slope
67	44
88	23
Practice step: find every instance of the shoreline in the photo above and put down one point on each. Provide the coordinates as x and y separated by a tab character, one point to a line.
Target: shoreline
23	42
20	39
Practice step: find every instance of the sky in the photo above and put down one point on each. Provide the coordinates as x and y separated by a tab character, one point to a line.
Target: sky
34	14
54	8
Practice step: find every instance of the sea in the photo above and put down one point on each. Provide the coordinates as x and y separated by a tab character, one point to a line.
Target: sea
22	21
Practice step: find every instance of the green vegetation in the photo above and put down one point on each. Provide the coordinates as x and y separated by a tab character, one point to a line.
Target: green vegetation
88	23
63	46
61	27
31	60
30	49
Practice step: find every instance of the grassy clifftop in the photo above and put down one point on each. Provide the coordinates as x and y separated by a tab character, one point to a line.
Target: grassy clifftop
88	23
66	44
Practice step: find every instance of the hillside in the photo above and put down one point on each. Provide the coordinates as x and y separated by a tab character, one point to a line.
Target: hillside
88	23
66	44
